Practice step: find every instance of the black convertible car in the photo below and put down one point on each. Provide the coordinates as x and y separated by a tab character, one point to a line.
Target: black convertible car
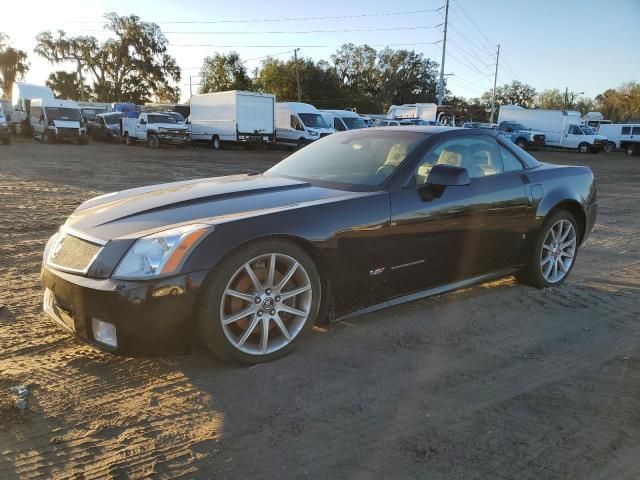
352	223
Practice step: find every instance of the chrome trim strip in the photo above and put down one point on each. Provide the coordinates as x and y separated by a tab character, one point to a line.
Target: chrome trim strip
76	233
428	293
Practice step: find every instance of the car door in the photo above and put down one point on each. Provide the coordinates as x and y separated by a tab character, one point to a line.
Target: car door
141	128
441	236
338	125
573	137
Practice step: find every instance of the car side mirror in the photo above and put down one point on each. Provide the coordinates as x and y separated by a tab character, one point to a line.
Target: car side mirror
448	176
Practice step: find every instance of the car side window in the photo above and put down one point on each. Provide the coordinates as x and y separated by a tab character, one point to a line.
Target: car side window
478	154
337	124
510	162
574	130
635	131
295	123
626	130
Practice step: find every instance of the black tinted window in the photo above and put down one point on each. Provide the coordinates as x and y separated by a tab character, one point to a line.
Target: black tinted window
635	131
626	130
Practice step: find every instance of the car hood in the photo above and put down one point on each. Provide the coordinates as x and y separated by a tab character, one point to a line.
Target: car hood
140	211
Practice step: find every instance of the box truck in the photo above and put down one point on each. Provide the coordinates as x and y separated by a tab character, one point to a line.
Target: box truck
235	116
21	96
57	121
156	129
561	128
298	124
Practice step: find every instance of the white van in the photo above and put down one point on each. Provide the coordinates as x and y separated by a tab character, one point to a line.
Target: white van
625	136
299	124
343	120
233	117
57	120
21	97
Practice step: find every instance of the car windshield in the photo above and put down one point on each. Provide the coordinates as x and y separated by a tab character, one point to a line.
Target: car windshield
518	126
176	116
90	113
587	130
61	113
112	119
160	119
313	120
354	123
360	157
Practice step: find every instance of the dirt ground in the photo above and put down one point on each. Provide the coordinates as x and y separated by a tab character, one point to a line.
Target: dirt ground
499	381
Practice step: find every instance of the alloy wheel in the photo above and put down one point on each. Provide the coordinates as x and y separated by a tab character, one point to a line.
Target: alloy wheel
266	304
558	251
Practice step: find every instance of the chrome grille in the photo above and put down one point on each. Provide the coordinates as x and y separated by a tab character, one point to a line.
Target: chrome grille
73	253
67	132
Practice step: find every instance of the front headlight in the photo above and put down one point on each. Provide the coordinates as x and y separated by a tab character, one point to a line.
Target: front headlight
162	253
313	133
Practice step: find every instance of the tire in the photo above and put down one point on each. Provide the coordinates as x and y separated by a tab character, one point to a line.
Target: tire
301	143
522	143
154	141
535	272
46	138
609	147
128	140
216	144
630	149
231	341
584	148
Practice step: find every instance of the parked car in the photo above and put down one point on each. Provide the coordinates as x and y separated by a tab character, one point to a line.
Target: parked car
5	132
156	129
298	124
105	127
234	117
522	136
57	121
180	120
389	123
342	120
89	113
490	126
561	128
355	222
622	136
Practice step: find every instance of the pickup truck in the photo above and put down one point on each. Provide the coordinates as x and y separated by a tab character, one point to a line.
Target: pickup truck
520	135
156	129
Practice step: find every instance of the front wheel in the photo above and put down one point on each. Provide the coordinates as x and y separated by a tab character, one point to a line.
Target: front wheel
128	140
154	141
554	252
584	148
609	147
216	143
630	150
260	302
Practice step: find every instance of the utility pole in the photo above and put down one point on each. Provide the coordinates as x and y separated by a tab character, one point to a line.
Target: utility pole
495	82
444	49
295	58
566	97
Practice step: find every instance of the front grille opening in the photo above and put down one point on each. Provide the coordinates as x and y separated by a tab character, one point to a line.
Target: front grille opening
73	253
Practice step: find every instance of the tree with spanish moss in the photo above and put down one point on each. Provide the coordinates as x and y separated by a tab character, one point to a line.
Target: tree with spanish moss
13	64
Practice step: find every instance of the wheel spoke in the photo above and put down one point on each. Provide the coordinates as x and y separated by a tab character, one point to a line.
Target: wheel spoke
272	270
566	254
547	247
278	321
292	311
564	236
561	265
252	326
254	280
568	244
547	270
237	316
288	276
555	269
545	260
242	296
294	293
264	339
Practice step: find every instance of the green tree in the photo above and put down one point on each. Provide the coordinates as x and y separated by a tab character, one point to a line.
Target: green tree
621	104
13	65
131	66
552	99
224	72
68	85
514	93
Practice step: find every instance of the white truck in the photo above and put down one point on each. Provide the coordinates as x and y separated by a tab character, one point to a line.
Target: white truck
625	136
298	124
57	121
594	120
240	117
156	129
21	97
561	128
429	112
343	120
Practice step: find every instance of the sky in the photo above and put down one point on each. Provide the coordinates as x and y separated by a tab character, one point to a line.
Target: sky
585	45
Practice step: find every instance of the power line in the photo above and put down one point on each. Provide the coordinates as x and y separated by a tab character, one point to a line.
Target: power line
288	32
469	62
249	59
302	46
471	67
489	43
285	19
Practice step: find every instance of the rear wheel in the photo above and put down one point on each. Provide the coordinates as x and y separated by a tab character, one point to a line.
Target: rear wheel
630	149
609	147
128	140
301	143
260	302
554	252
216	144
521	143
584	148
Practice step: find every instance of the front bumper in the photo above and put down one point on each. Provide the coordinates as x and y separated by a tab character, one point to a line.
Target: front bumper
151	317
173	139
597	147
252	139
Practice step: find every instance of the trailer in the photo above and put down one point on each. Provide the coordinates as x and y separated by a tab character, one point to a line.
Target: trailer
235	116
